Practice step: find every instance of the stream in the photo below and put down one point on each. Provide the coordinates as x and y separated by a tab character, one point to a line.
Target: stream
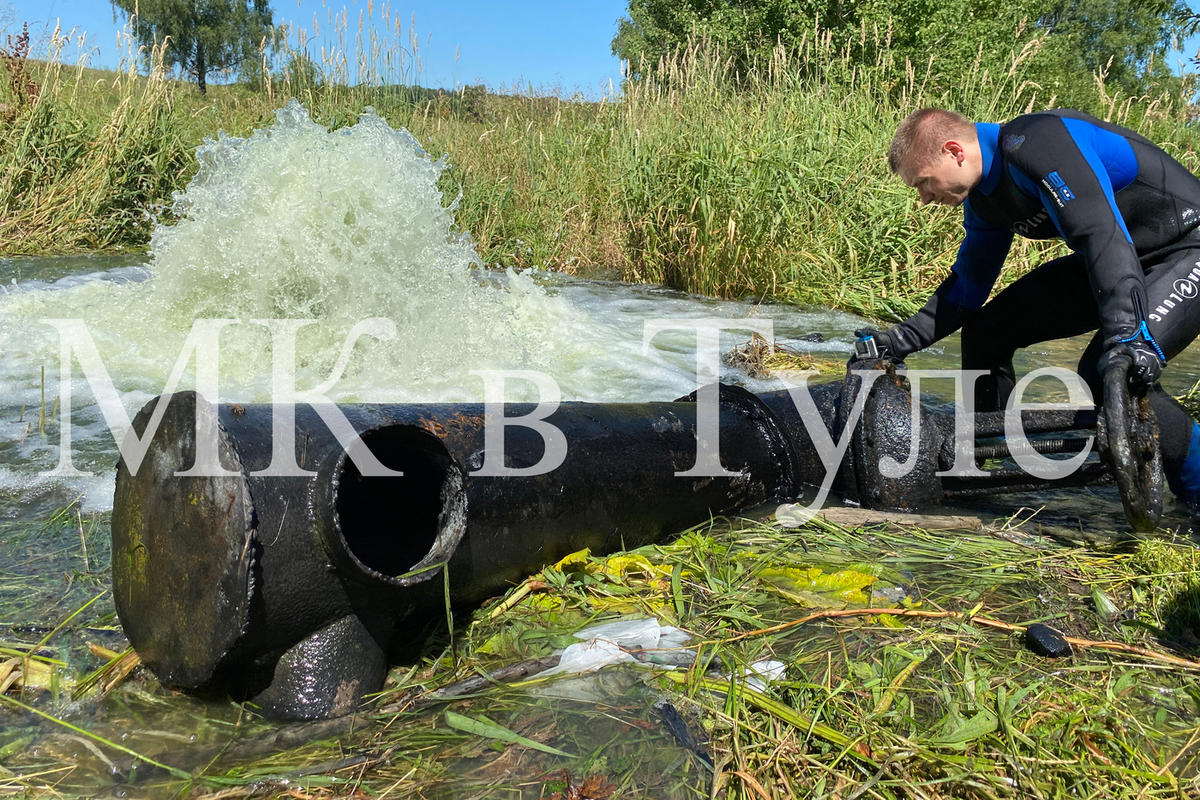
299	223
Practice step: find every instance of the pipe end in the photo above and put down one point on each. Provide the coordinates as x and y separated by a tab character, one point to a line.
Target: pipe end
183	546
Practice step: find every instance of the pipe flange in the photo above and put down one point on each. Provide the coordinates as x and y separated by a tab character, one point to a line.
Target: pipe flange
749	405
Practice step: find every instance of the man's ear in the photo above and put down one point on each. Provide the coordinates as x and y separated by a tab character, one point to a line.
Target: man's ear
955	149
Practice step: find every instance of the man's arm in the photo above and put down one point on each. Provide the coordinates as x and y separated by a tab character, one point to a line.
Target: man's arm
935	320
980	258
1057	160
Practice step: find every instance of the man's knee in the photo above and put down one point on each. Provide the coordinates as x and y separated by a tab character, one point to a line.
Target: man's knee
983	345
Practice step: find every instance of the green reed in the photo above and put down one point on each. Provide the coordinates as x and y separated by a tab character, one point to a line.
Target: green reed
770	182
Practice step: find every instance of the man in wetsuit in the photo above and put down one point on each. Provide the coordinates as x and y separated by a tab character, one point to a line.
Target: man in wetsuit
1128	211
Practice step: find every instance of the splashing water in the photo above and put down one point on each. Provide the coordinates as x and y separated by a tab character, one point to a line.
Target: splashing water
300	222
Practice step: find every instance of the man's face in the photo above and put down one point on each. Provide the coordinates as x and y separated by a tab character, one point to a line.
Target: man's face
947	180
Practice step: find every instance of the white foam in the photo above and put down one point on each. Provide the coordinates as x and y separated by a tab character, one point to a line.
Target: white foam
297	221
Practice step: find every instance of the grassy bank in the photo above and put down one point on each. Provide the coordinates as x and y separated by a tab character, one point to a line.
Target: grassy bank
771	184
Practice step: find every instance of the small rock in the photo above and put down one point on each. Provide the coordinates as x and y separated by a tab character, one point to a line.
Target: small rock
1046	641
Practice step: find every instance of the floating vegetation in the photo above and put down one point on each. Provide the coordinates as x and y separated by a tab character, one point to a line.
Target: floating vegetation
899	668
759	358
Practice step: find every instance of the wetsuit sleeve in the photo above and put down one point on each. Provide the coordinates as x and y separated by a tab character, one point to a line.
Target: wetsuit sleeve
980	258
937	319
1060	164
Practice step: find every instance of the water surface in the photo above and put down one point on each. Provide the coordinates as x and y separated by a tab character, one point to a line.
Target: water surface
297	222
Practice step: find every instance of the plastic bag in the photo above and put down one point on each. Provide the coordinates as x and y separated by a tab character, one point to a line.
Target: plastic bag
623	641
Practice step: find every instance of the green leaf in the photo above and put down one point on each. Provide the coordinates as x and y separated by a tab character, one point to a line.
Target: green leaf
677	590
811	586
958	731
482	726
1105	607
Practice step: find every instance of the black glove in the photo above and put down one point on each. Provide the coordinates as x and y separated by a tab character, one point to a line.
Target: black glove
871	345
1146	359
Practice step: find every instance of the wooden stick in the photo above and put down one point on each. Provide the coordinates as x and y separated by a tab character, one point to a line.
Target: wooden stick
967	617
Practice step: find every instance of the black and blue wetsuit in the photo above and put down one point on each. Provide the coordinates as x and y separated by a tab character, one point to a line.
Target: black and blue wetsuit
1129	212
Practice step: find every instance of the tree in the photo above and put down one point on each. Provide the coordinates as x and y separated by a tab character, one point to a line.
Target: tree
300	74
654	29
203	36
1126	38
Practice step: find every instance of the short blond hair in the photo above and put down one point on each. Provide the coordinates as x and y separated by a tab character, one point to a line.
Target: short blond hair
919	138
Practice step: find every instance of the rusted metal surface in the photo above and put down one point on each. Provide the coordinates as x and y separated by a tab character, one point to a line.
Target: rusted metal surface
296	589
241	582
1128	434
189	596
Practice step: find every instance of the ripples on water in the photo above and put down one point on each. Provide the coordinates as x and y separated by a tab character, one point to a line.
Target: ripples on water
299	222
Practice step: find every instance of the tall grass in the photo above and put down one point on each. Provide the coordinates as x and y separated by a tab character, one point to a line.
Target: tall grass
82	162
769	183
775	183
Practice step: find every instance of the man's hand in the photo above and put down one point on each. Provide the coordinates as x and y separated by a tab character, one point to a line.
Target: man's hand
1145	363
871	344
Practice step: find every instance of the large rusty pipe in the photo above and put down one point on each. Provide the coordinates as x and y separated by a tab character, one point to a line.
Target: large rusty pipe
291	588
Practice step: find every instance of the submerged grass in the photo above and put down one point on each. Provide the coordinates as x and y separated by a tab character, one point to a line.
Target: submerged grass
910	678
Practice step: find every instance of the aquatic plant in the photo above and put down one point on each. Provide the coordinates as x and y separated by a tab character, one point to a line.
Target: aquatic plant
904	675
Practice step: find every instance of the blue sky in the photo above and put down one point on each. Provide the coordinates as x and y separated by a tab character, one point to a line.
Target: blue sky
551	44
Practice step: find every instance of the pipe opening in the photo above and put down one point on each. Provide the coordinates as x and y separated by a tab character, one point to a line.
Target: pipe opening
391	524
